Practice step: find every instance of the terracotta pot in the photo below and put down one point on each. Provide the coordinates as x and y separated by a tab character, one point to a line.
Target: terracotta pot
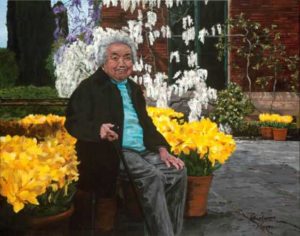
279	134
266	132
197	192
51	225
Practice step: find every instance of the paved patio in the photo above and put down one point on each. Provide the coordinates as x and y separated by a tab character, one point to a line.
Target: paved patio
255	193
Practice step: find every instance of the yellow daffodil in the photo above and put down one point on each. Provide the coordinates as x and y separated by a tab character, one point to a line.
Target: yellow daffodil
201	138
28	168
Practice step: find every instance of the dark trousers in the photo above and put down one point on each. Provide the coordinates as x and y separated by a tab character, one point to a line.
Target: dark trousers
162	191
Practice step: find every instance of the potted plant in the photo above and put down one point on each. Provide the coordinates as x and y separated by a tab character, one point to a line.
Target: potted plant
265	126
280	126
37	178
277	123
202	147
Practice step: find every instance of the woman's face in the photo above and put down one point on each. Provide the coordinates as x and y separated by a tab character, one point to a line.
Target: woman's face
118	63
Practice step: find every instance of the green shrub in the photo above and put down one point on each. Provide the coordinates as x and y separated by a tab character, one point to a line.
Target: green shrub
29	92
8	68
247	129
231	106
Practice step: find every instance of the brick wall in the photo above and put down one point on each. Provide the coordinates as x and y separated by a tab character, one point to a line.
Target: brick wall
284	13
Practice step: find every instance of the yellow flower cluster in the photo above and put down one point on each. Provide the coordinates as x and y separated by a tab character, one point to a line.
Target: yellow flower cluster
28	167
41	119
38	126
202	137
266	117
169	112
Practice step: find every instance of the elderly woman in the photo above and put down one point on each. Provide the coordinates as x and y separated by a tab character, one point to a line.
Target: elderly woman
109	100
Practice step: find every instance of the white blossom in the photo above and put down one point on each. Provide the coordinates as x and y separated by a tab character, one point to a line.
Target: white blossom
187	22
125	4
188	35
135	29
140	15
219	28
138	65
156	34
151	38
192	59
175	55
151	19
202	34
177	74
213	30
148	68
166	32
132	4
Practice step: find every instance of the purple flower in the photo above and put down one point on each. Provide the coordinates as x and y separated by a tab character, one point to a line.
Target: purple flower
91	2
76	3
59	9
96	14
88	36
71	38
58	56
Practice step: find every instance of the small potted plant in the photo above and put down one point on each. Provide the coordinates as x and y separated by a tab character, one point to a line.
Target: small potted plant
265	126
280	126
202	147
37	179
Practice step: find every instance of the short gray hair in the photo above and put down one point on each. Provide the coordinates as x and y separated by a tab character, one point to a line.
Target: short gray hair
115	38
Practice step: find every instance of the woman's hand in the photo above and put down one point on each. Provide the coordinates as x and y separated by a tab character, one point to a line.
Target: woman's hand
106	132
169	159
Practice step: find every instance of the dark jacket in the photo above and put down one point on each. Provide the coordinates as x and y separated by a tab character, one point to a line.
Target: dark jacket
97	101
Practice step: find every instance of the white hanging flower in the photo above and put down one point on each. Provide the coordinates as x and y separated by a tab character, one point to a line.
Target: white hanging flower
202	34
151	38
187	22
156	34
177	74
148	68
168	32
151	19
219	28
169	3
175	55
192	59
213	30
140	15
188	35
138	65
135	29
125	4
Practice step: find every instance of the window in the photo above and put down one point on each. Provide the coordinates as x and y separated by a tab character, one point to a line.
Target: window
204	15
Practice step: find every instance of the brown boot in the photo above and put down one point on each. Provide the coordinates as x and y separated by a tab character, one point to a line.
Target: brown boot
106	209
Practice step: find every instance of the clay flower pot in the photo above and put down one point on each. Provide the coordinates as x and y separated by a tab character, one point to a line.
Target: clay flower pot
197	192
266	132
52	225
279	134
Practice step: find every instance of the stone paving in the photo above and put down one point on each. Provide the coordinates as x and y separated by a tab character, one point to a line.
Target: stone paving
255	193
